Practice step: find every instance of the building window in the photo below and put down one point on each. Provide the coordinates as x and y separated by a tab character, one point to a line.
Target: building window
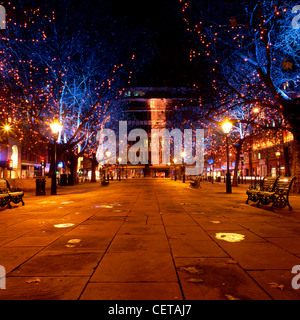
15	156
127	94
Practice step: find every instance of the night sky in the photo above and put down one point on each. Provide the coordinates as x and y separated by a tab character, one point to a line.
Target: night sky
154	31
166	38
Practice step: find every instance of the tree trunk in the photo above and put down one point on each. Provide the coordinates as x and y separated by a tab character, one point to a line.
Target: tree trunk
94	163
51	159
291	114
72	159
287	161
296	165
238	148
250	160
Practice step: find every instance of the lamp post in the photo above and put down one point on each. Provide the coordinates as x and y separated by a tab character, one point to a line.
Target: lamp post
119	168
107	154
100	171
278	154
169	165
226	126
56	128
175	161
6	128
183	156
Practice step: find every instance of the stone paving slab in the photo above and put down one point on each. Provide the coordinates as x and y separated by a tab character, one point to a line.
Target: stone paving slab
277	283
12	257
132	291
87	242
218	224
136	243
146	239
248	235
196	248
216	279
274	232
141	266
186	232
59	263
43	288
138	229
31	241
291	245
260	256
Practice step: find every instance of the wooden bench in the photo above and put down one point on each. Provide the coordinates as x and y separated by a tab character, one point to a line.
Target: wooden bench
267	184
279	197
9	194
196	183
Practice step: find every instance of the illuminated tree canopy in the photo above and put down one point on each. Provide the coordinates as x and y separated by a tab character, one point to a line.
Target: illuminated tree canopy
71	69
253	53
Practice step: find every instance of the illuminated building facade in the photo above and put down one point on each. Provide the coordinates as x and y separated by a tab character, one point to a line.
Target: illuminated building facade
150	108
270	157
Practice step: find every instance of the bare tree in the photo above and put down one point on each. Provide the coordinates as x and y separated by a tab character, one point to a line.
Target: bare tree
254	58
53	71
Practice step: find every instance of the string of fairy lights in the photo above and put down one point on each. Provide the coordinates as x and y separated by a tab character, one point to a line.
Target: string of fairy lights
44	80
40	85
241	52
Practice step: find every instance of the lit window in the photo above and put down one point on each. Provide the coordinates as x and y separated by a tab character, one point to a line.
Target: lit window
14	156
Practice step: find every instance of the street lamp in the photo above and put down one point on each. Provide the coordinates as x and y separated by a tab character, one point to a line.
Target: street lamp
56	128
183	156
226	126
7	128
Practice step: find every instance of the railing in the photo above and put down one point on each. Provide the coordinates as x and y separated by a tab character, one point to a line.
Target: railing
240	180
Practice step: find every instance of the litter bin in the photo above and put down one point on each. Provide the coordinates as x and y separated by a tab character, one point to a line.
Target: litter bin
63	180
40	187
71	179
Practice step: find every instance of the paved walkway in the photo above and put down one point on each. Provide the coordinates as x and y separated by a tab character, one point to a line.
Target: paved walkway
148	239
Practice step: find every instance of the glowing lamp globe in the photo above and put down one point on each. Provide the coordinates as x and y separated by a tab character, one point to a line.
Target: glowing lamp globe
55	127
226	126
7	127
